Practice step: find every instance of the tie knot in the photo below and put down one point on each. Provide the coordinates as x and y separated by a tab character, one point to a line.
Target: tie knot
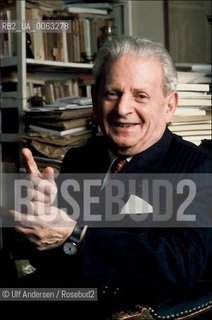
117	165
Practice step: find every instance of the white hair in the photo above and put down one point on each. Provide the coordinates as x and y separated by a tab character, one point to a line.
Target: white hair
126	45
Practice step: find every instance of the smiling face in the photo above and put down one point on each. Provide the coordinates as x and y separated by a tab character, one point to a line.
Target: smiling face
130	104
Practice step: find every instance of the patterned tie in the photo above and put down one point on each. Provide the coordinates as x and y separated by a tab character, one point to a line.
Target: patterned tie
117	165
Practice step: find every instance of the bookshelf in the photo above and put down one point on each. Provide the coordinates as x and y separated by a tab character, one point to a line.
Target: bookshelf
23	76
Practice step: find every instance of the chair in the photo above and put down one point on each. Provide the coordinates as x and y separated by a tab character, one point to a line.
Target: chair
192	304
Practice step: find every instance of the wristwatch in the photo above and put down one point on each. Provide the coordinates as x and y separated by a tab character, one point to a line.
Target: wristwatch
71	245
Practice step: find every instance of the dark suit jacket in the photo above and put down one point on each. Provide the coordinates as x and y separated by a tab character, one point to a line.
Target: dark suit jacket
140	261
145	259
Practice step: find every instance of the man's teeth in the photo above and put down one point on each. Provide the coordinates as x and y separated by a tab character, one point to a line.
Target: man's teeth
125	125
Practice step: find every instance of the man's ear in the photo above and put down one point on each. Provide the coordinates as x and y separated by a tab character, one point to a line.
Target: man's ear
172	102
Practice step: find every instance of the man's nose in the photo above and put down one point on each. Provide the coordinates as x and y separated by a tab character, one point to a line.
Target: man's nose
124	105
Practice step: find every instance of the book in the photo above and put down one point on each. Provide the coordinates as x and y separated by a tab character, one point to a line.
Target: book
81	101
62	125
191	133
71	103
201	87
189	110
191	127
190	118
86	26
36	38
55	139
194	95
194	102
57	132
47	115
88	4
51	4
190	77
195	67
31	77
87	10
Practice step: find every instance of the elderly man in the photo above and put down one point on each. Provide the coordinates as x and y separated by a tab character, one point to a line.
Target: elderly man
134	100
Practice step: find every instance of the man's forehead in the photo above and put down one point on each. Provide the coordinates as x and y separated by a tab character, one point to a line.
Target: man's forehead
140	69
130	62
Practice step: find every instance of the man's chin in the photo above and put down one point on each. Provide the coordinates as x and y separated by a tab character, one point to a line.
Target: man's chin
118	147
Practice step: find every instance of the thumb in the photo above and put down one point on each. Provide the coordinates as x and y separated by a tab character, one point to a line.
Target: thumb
48	173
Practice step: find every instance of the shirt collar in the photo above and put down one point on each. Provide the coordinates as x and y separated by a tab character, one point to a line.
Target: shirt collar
113	157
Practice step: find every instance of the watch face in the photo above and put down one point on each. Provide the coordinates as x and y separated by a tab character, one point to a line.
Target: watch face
70	248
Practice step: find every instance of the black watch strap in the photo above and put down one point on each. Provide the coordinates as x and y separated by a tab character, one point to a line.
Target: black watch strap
71	245
76	234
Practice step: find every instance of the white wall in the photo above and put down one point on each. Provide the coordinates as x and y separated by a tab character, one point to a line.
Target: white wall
189	30
148	19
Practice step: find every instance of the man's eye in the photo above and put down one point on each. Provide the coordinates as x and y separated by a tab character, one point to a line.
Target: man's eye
140	97
112	94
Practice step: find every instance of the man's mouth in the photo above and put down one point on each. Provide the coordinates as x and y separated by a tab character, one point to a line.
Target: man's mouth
124	124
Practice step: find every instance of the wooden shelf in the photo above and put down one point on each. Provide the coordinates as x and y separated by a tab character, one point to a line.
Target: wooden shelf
12	61
45	65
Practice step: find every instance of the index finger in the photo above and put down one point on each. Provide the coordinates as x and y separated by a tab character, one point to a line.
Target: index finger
29	162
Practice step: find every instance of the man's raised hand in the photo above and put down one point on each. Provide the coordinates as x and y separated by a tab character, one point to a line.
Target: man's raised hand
44	225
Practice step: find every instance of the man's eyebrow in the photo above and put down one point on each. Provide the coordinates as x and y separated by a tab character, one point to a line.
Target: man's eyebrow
140	89
134	90
112	88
